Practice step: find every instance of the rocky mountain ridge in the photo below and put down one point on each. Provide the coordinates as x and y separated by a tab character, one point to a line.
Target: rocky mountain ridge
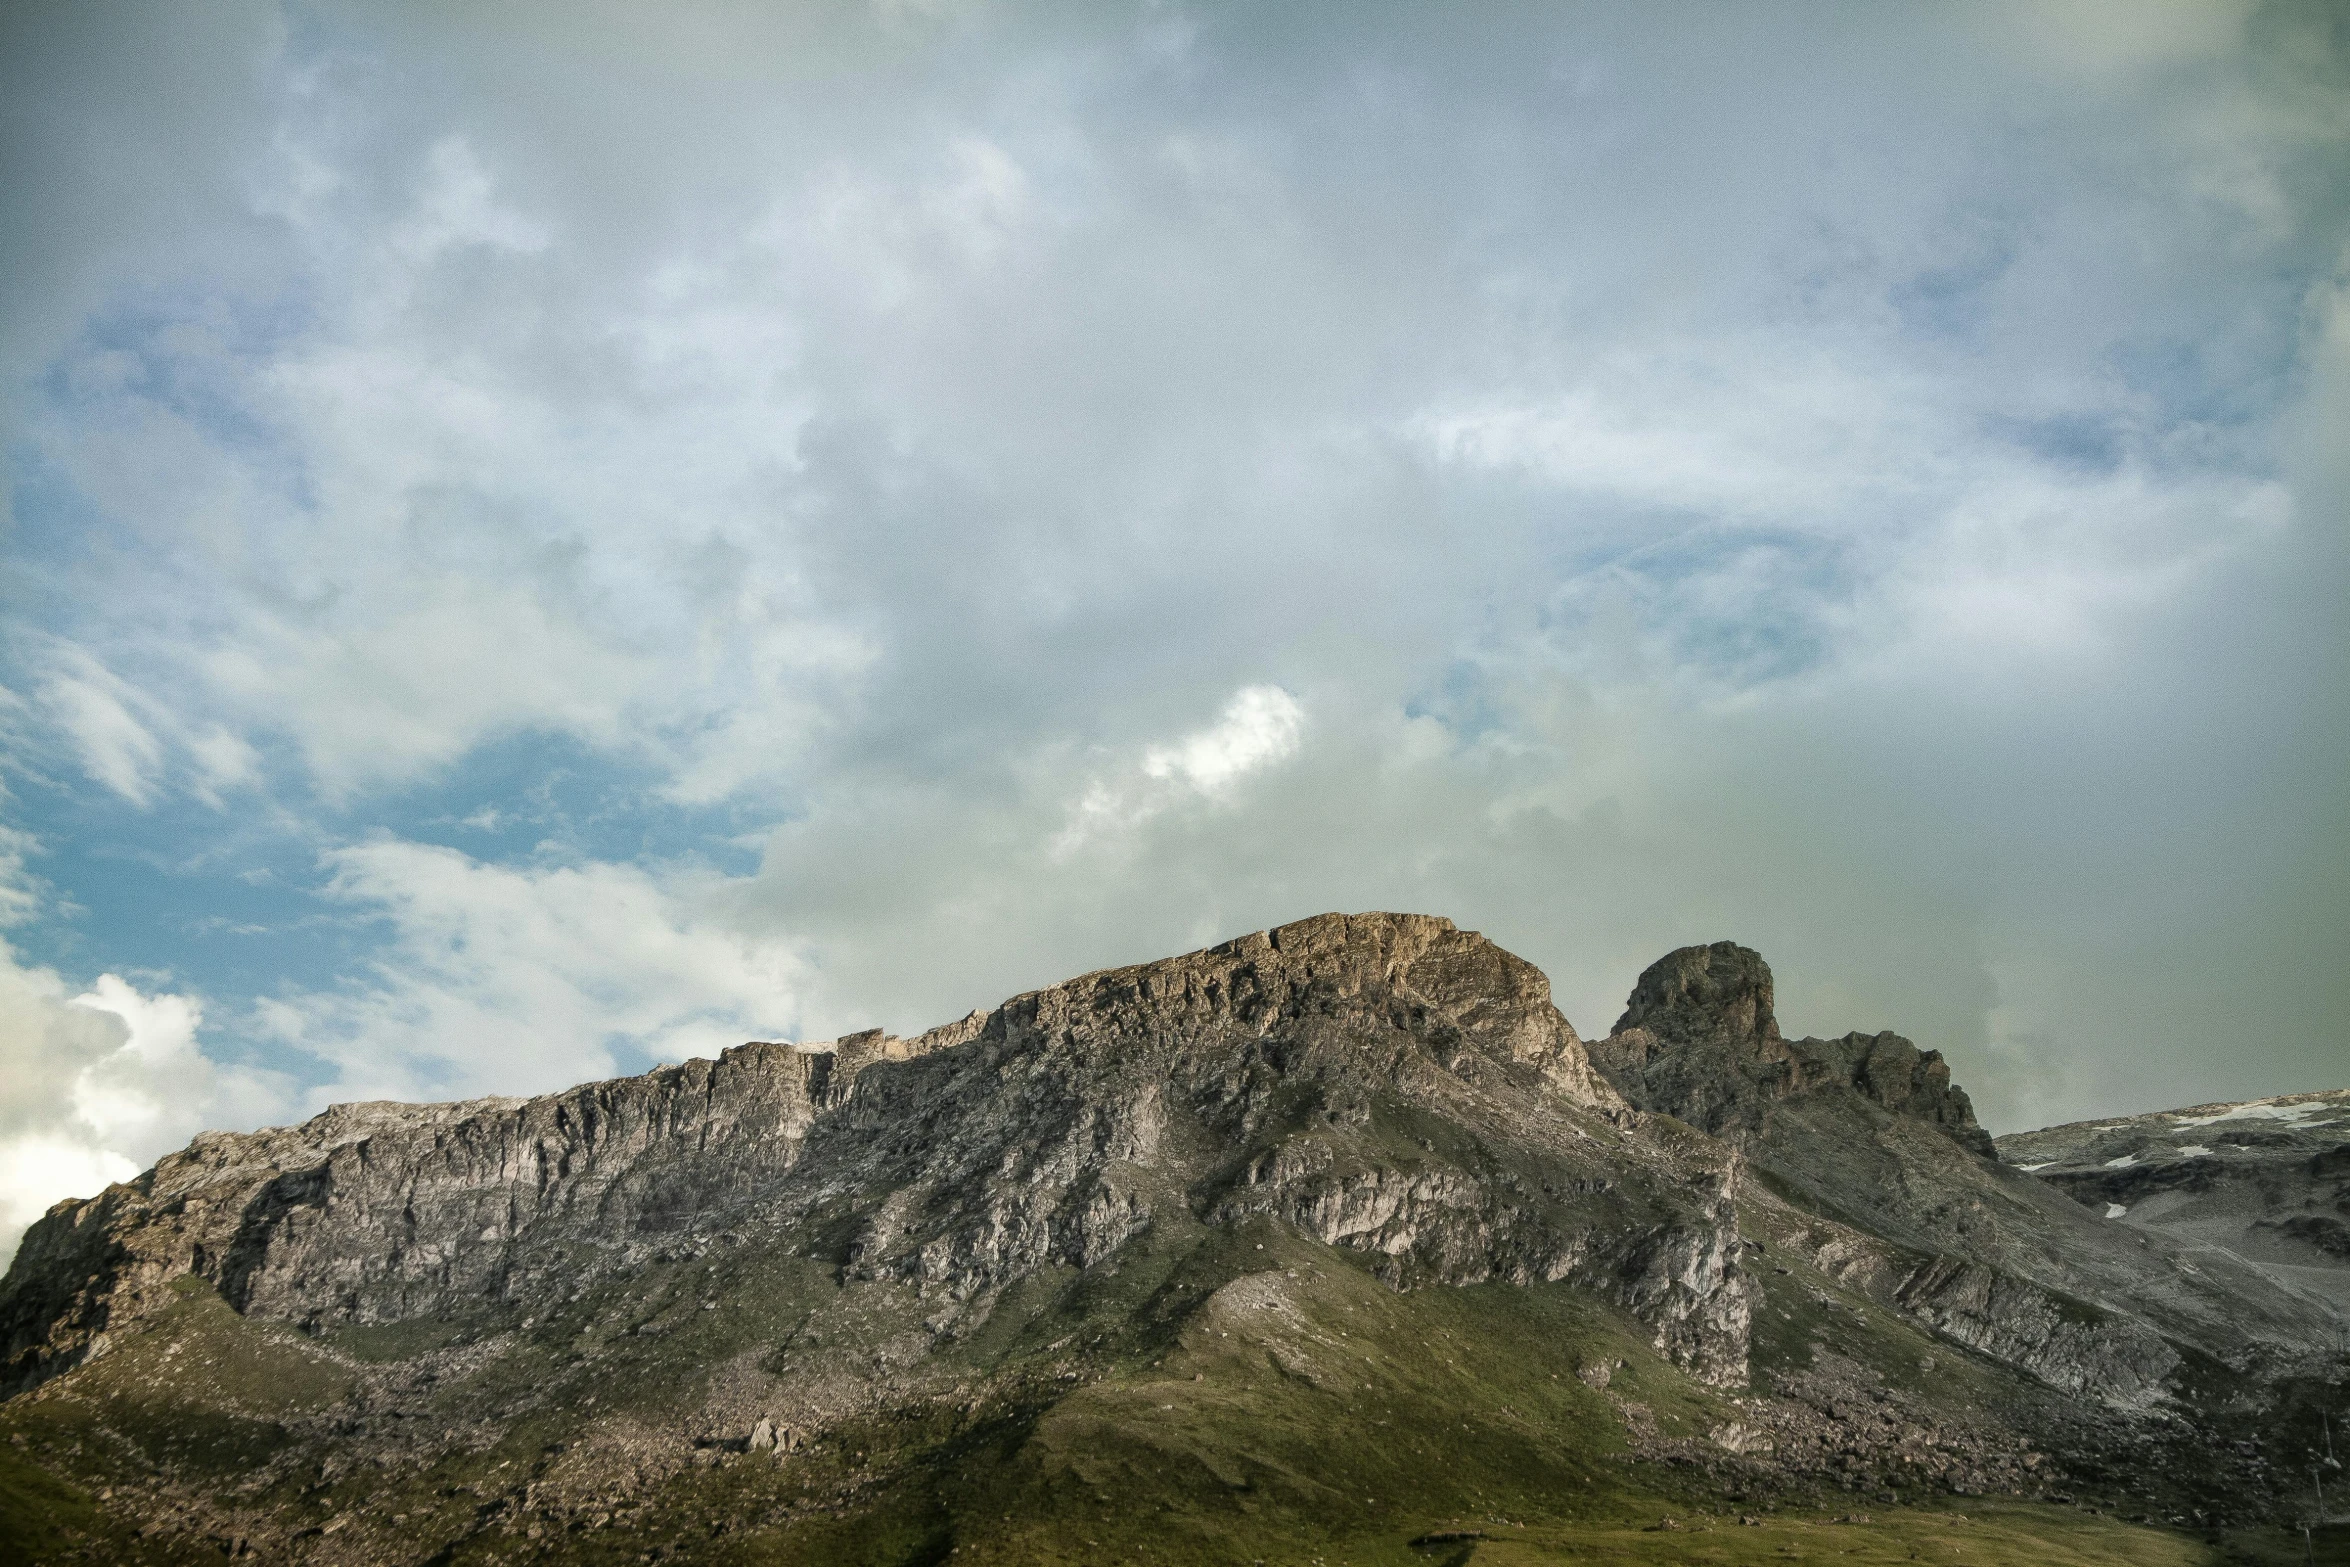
1005	1220
1870	1129
378	1211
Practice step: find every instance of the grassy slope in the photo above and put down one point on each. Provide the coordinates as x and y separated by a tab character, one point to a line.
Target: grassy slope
202	1395
1199	1400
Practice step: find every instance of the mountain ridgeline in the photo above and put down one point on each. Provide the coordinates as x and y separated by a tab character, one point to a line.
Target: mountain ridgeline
1335	1237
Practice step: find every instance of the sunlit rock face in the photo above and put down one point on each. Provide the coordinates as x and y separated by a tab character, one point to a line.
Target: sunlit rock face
1271	1075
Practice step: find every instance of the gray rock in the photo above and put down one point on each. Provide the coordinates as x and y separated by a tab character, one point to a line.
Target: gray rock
1699	1040
1869	1130
1267	1077
2261	1185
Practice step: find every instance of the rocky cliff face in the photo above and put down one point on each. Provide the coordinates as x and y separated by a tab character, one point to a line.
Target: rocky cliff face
1296	1074
1272	1075
1699	1040
380	1212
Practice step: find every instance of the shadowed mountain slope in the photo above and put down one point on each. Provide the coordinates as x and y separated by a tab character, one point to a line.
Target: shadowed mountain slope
1870	1130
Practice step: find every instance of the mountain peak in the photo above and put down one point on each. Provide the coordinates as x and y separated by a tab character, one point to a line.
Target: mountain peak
1699	1040
1493	1000
1721	991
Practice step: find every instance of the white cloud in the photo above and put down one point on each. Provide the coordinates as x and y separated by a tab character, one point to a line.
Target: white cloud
2096	41
420	676
498	979
1748	428
1626	434
156	1079
475	493
900	238
94	708
20	890
93	1087
125	737
456	205
1259	728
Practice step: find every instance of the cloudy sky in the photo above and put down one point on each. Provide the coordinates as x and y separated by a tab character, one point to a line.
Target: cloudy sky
544	538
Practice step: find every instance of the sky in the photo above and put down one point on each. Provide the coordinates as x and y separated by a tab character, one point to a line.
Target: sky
541	539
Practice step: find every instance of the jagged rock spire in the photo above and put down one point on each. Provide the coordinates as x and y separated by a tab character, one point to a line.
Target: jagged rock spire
1717	992
1699	1040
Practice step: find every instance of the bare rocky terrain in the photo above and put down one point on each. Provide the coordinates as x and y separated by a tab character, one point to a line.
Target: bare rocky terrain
1335	1237
2264	1182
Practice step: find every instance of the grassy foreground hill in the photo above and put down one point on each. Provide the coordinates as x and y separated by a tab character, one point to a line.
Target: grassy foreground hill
1298	1411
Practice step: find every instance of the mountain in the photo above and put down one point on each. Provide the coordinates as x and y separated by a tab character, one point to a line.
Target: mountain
2264	1183
1334	1241
2021	1264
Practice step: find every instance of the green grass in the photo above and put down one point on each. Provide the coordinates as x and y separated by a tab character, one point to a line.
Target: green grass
1307	1413
1211	1395
195	1388
41	1515
1995	1534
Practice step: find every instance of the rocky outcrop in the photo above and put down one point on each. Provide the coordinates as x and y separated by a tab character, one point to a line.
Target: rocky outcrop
1381	1082
1869	1130
1699	1040
381	1212
2062	1341
1718	994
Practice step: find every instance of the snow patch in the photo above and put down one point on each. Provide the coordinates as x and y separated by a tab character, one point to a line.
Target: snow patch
2258	1110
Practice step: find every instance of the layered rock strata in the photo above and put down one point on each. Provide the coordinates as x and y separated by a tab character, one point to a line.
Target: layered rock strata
1297	1073
382	1211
